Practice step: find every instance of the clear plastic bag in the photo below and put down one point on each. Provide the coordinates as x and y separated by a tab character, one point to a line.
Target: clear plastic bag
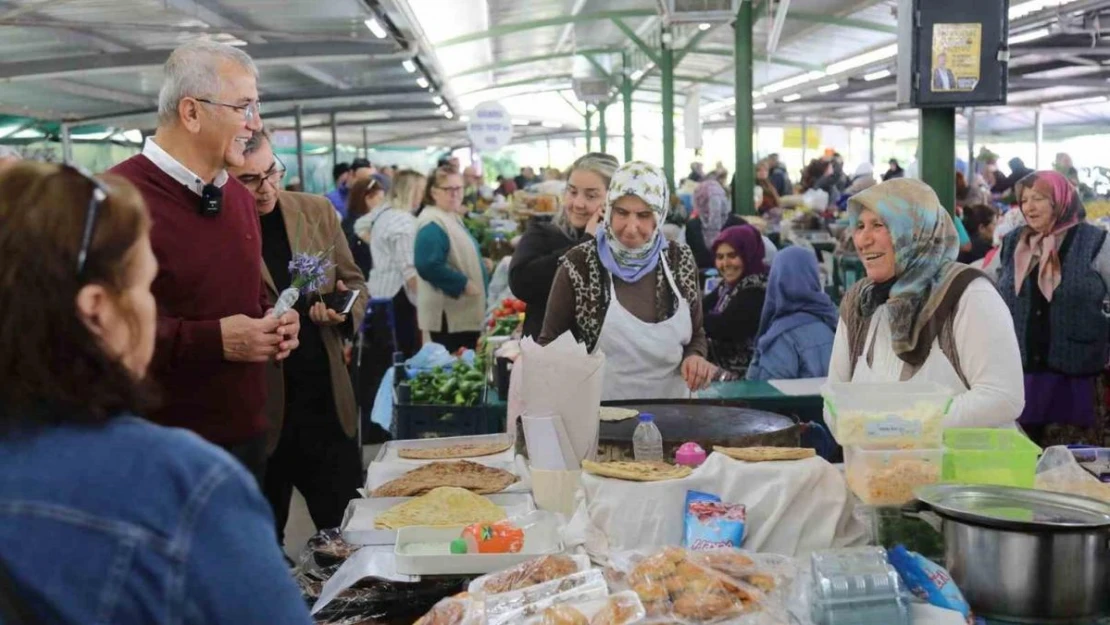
1059	471
510	606
622	608
530	573
679	586
457	610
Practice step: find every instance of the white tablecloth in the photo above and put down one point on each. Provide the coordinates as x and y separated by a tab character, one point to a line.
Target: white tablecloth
794	508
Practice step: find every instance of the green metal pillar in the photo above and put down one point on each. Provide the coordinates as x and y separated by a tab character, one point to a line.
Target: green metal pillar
666	68
589	130
743	197
626	96
938	153
602	129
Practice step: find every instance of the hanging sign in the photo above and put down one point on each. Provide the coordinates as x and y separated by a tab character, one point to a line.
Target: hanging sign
490	127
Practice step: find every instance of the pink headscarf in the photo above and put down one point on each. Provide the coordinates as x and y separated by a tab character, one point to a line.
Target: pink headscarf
1034	247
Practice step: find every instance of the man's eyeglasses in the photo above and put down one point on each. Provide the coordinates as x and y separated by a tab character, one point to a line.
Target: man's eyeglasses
96	199
451	190
250	111
272	175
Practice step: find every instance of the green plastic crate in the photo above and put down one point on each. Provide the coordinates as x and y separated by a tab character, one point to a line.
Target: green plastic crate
988	456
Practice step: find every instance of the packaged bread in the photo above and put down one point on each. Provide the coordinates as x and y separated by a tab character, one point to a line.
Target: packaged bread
623	608
457	610
531	573
698	588
511	608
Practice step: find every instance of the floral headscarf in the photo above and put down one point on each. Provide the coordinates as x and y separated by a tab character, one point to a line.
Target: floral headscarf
712	203
925	245
648	183
1035	248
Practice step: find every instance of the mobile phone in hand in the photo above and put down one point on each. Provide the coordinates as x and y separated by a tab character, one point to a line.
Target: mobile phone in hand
341	301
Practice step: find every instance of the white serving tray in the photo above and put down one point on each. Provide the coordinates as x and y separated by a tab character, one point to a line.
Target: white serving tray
379	473
388	451
541	538
358	520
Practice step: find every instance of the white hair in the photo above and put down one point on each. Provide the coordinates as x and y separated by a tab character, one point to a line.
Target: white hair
193	70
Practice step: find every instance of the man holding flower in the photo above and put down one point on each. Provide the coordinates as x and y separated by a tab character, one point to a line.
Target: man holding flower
214	333
311	402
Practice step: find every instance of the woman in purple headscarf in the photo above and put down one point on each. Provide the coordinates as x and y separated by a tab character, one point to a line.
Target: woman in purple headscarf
733	309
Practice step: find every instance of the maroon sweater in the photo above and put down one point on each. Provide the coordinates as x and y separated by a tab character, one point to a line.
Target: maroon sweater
208	268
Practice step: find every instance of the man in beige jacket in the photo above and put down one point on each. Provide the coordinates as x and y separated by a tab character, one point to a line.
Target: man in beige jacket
310	402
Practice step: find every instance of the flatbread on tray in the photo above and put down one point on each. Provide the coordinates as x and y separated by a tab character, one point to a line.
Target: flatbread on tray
766	454
474	477
444	506
466	450
610	413
637	471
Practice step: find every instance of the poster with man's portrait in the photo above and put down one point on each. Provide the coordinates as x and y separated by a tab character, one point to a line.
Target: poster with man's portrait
956	57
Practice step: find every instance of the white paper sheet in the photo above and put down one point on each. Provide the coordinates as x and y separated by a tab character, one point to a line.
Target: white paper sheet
375	561
560	379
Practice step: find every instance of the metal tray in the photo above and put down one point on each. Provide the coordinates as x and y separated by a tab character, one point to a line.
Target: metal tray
388	451
358	520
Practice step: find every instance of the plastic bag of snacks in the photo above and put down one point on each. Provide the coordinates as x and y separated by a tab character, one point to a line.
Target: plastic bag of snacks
509	606
530	573
928	580
1059	471
711	524
678	586
623	608
457	610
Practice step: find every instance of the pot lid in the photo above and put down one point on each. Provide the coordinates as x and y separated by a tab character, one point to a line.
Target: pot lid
1015	508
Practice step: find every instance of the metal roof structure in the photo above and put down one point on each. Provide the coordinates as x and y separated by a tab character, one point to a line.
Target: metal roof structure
404	72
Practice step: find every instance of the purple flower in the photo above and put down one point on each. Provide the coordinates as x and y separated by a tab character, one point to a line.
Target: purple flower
309	271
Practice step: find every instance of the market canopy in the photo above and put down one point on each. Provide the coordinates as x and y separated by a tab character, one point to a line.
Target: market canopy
405	72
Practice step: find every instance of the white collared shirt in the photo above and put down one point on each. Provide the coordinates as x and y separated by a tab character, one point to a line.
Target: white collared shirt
176	170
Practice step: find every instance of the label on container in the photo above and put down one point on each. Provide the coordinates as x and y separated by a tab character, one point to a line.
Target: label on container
893	426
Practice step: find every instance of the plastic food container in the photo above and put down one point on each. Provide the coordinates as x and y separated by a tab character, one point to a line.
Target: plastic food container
887	527
887	477
889	414
989	456
1096	460
857	587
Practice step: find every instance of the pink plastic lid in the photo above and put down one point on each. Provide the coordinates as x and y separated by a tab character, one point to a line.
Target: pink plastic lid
690	454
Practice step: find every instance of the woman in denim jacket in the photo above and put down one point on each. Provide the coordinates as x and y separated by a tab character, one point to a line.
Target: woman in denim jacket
105	517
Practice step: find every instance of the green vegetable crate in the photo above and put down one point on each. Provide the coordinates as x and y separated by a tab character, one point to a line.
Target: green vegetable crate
445	403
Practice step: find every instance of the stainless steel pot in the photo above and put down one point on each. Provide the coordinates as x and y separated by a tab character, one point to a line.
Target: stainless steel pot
1022	555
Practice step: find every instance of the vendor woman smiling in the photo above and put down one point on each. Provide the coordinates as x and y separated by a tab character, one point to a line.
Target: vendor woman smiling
920	315
633	296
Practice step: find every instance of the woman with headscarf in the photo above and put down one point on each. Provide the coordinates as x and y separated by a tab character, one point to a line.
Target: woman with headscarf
919	315
1054	274
732	309
863	179
712	207
633	296
536	257
798	323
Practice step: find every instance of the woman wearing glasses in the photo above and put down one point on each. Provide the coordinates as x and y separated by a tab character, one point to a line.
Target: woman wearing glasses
451	294
86	485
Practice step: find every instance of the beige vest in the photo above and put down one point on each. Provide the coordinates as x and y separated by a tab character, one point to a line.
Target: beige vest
466	312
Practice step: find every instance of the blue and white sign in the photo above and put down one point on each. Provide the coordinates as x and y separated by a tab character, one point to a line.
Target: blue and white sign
490	127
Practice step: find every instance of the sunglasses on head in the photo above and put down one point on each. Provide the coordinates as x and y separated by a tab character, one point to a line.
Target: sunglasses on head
96	199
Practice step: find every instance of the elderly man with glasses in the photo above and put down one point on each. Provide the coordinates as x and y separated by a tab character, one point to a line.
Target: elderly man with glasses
311	407
215	333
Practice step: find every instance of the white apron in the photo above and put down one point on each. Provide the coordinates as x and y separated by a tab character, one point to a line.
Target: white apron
644	360
887	366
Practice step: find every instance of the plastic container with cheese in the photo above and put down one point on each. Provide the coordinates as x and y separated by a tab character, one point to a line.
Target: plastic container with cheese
888	477
887	414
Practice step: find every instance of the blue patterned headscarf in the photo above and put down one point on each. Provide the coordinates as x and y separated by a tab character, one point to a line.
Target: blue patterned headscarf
925	250
648	183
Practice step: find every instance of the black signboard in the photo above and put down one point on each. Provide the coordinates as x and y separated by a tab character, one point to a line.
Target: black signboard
952	53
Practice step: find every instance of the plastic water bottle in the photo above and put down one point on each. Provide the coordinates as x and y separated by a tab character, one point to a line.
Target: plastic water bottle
647	442
712	280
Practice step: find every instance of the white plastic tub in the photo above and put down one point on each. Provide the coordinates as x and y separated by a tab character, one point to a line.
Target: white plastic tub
887	477
427	550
